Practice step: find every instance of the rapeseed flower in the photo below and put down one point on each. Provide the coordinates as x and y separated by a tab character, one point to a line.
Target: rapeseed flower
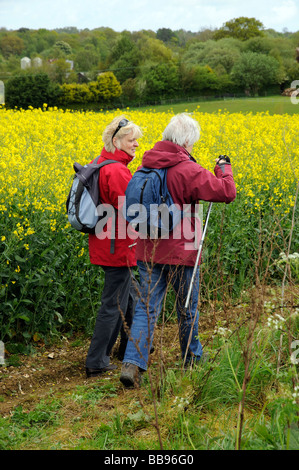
38	148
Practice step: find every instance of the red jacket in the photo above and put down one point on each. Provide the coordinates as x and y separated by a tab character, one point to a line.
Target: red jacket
188	183
113	181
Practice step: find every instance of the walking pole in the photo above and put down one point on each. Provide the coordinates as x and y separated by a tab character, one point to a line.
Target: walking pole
197	257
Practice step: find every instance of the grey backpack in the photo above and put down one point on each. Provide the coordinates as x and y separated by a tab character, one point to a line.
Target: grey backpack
84	196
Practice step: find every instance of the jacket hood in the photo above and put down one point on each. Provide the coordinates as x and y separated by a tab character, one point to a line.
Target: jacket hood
164	154
118	155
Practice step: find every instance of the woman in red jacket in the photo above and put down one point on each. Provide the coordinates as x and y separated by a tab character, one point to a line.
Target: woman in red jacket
120	139
171	260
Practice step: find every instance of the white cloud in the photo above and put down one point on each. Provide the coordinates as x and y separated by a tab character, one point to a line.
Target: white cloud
284	13
145	14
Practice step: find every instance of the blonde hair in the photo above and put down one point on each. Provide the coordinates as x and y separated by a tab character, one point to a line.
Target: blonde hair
125	130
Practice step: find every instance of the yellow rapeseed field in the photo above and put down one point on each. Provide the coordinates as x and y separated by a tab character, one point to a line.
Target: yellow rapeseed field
46	278
38	149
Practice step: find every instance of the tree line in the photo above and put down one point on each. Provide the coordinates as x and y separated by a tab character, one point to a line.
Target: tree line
143	66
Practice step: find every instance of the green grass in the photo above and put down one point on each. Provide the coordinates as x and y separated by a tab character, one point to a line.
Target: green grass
272	104
195	410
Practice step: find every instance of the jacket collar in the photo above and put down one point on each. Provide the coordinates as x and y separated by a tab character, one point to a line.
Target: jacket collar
118	155
165	154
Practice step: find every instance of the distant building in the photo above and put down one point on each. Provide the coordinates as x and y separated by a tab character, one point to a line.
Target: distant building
71	62
25	63
82	78
37	62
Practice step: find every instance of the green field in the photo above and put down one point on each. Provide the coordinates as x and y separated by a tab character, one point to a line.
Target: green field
272	104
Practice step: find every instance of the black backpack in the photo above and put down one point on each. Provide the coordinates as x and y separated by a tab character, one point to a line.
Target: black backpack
84	196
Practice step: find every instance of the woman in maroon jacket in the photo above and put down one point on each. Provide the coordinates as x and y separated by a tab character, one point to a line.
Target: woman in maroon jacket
172	259
120	139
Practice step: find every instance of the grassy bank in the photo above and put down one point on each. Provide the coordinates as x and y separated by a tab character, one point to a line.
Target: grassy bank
242	398
271	104
275	104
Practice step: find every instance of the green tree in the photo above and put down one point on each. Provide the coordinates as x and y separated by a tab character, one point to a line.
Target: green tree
161	81
106	88
254	71
155	51
199	79
242	28
11	45
86	59
124	59
58	70
194	54
165	34
49	37
31	90
130	90
261	45
62	48
75	93
221	57
293	71
218	55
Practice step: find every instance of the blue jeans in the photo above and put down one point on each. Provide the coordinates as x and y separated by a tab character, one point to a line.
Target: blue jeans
153	285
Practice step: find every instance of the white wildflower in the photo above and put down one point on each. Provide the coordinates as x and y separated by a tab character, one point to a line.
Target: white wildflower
276	321
221	331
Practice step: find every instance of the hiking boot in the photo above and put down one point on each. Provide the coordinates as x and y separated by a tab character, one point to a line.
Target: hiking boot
130	375
97	372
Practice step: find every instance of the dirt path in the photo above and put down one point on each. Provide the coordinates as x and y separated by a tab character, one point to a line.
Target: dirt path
58	367
62	367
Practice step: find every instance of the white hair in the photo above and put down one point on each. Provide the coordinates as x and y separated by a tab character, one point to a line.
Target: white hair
182	130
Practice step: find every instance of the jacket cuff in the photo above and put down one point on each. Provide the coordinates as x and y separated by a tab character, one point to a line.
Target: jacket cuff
222	166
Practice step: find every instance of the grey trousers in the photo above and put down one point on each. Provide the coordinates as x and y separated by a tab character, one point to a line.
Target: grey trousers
119	295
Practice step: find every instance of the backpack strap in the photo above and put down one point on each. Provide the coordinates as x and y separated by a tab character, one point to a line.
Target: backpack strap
107	162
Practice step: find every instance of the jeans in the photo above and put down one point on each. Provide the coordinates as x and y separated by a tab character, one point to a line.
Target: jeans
119	295
153	285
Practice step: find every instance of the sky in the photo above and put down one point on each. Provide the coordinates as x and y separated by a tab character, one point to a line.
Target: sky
135	15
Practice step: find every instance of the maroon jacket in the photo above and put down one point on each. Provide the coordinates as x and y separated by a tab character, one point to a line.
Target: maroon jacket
187	182
113	182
